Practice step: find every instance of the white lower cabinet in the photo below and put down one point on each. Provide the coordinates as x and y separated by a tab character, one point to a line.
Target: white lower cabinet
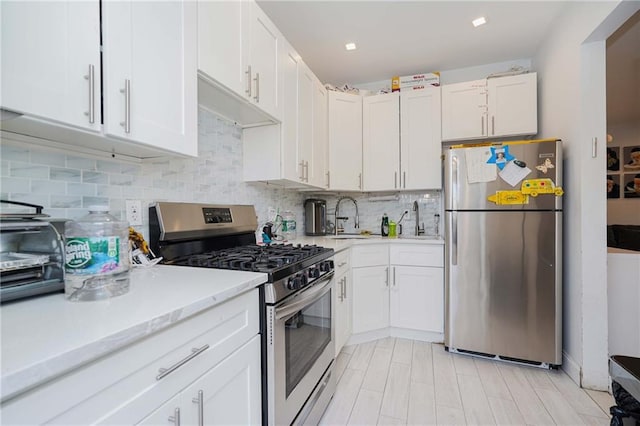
343	295
216	351
370	298
398	289
416	300
227	394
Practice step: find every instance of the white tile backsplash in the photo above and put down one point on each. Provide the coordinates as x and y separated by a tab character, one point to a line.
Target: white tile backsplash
68	184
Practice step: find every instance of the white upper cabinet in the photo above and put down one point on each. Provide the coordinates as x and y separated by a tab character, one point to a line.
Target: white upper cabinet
319	175
494	107
50	55
401	140
381	142
141	93
513	105
261	58
150	65
345	141
306	81
220	41
420	137
464	110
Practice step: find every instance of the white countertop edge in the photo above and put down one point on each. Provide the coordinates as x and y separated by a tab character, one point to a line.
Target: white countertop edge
13	383
339	244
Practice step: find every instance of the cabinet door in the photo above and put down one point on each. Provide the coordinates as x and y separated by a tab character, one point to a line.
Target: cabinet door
230	393
291	169
417	298
220	39
464	110
150	63
345	141
513	105
343	296
47	51
305	119
319	175
381	142
420	139
261	50
370	298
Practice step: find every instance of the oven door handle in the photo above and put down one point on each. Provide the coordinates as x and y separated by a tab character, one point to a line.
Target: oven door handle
305	298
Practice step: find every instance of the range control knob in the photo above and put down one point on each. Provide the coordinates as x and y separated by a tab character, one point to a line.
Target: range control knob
303	280
314	272
327	265
293	283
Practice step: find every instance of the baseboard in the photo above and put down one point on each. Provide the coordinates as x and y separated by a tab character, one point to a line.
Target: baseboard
571	368
404	333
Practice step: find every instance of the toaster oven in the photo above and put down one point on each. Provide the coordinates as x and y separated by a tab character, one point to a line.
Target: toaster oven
31	254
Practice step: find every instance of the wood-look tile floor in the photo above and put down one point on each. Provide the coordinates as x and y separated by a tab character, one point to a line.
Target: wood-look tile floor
407	382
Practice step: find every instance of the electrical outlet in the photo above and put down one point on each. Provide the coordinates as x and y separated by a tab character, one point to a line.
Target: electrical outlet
134	212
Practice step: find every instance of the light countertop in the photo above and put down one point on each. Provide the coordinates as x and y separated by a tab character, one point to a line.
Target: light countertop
342	243
46	336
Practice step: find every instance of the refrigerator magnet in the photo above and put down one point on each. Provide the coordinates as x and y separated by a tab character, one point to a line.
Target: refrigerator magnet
500	156
544	167
509	198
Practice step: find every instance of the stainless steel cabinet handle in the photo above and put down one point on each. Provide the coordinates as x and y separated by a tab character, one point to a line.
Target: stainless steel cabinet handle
127	106
454	182
328	180
341	264
386	280
360	181
344	288
395	180
257	80
92	88
301	170
404	180
394	276
341	291
200	401
306	167
176	417
248	73
194	353
493	124
482	124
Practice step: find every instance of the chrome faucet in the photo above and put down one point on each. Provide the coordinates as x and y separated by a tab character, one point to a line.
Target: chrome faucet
356	222
418	229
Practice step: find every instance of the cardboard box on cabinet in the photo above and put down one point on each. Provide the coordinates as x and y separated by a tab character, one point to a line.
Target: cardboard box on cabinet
415	82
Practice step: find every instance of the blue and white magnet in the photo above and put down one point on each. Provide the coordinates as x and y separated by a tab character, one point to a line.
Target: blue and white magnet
500	156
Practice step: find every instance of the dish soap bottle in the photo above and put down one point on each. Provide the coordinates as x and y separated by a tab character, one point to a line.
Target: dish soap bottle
97	256
384	226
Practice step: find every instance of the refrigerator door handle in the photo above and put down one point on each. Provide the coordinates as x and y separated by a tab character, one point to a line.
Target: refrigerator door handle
454	238
454	182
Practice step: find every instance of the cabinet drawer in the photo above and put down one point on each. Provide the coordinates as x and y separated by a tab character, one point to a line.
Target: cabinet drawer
342	262
417	255
369	255
122	387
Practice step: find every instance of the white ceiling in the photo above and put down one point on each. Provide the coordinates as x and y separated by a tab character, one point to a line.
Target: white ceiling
408	37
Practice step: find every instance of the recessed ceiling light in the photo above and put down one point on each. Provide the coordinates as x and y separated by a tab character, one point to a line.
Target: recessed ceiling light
479	21
350	46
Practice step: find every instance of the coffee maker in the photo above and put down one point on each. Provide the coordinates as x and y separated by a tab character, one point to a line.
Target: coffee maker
315	217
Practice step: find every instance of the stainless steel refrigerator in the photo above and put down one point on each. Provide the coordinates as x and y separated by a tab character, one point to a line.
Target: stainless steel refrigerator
503	226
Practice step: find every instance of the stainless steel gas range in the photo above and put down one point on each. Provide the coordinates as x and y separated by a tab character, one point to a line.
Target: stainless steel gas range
297	316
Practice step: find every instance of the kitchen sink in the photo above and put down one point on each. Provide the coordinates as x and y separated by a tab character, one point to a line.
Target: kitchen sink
348	237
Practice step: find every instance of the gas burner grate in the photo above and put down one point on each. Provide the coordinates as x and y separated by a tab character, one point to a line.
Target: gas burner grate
253	257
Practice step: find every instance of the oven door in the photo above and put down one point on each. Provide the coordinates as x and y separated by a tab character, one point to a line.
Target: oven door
300	349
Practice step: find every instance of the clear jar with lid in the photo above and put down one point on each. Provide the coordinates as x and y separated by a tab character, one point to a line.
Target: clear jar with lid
97	260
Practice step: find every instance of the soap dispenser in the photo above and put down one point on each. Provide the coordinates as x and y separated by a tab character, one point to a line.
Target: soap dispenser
384	226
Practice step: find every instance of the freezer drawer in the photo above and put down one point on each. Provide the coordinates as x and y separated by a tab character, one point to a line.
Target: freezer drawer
503	284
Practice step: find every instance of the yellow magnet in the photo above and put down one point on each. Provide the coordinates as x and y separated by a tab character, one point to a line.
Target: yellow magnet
509	197
534	187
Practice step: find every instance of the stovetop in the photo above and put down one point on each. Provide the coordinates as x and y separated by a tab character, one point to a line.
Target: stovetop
278	261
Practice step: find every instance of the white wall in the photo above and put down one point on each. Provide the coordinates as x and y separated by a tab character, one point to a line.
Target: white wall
572	103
